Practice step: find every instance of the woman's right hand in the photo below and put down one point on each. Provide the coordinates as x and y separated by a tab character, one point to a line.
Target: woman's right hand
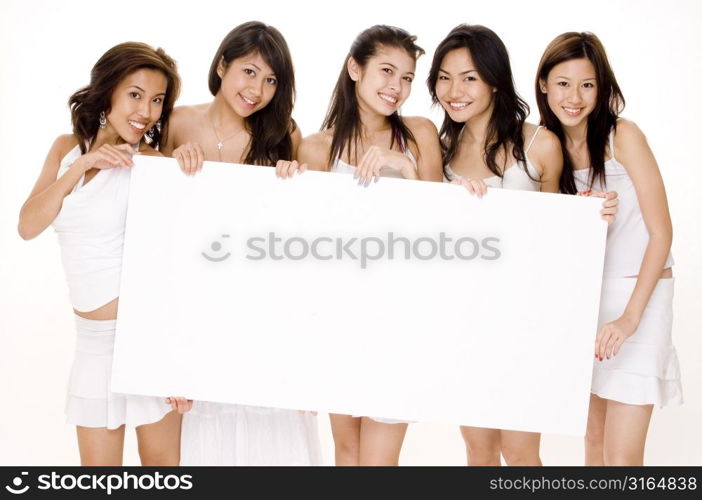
475	187
285	169
190	157
181	405
107	156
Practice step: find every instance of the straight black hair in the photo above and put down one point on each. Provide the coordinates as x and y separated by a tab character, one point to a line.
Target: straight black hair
509	109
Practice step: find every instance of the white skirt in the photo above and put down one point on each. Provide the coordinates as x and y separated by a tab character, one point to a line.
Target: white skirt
646	370
90	403
226	434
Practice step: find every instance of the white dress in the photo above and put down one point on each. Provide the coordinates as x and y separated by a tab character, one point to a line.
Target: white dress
226	434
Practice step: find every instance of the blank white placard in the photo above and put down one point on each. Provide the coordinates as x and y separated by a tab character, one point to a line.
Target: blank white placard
502	342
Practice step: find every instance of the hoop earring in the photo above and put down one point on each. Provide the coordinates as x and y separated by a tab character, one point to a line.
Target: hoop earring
103	119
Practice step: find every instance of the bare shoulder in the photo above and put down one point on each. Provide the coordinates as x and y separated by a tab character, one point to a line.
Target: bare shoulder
296	139
63	144
187	113
631	149
421	126
183	122
314	150
295	134
545	141
318	143
627	133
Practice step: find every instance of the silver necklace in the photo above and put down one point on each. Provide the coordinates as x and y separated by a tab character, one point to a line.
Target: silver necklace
220	142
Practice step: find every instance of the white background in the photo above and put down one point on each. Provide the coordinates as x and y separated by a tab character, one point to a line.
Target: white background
47	50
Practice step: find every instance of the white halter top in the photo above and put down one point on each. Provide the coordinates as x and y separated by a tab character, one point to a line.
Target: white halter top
627	236
90	229
514	177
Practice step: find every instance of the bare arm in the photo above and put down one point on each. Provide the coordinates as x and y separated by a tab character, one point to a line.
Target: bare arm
45	200
172	132
634	153
429	163
547	156
296	137
632	150
314	151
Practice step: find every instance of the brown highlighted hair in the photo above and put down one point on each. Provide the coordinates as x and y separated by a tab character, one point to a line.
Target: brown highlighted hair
114	65
342	114
270	128
602	120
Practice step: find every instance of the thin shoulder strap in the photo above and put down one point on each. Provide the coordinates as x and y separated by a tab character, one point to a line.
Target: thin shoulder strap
533	137
611	143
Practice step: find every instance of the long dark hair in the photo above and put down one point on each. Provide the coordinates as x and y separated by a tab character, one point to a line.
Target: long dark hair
342	114
610	101
114	65
270	127
509	110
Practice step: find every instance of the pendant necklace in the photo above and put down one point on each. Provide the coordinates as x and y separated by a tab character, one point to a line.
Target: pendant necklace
220	142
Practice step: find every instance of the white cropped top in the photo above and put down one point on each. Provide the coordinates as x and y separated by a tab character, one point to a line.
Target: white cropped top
627	236
90	229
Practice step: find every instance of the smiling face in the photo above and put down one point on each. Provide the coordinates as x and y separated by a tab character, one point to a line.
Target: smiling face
136	105
461	90
571	91
384	83
248	84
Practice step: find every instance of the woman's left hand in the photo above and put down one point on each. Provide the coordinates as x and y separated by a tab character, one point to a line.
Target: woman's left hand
285	169
377	158
476	187
609	205
611	337
181	405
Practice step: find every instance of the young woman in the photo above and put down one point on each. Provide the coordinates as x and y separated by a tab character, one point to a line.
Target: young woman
363	134
249	121
486	141
636	365
82	191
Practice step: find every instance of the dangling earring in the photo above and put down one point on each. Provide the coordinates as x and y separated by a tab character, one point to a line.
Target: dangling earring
149	137
103	119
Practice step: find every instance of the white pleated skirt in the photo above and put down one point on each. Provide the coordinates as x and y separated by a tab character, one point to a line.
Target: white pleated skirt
646	370
90	403
226	434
